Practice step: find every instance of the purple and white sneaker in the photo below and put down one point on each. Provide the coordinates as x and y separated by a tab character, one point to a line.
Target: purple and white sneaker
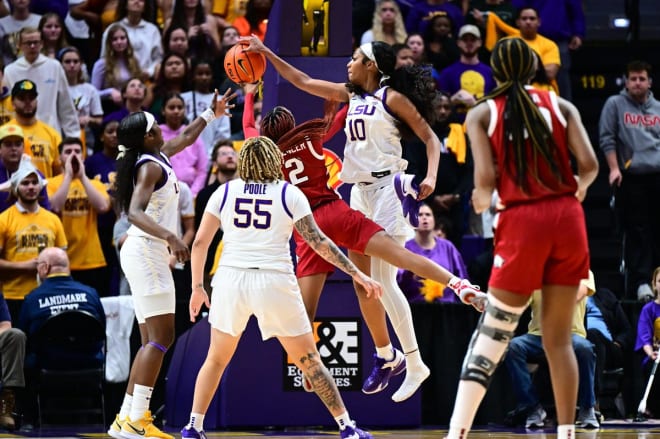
352	432
382	371
191	433
408	191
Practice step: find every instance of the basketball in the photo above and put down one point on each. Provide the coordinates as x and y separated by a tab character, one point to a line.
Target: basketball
244	66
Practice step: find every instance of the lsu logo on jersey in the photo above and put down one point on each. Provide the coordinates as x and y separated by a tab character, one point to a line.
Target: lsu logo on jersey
334	165
339	343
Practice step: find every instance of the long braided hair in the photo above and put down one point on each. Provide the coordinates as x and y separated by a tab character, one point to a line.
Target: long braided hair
414	82
513	63
278	125
260	160
277	122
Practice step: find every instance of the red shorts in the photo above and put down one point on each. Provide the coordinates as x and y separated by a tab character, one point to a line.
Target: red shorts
346	227
540	243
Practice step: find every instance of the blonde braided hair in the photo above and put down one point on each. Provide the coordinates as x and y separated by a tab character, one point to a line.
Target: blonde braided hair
260	160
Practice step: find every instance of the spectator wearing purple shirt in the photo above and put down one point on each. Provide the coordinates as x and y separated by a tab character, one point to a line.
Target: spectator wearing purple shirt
421	13
468	79
190	165
440	251
133	94
11	154
563	22
648	342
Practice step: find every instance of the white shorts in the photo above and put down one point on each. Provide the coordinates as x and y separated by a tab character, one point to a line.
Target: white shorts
271	296
145	265
378	202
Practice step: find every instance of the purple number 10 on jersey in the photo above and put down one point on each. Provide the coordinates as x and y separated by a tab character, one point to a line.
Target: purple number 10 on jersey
252	212
356	129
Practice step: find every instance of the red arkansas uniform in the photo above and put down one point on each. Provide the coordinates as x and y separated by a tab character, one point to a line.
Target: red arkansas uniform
304	166
541	237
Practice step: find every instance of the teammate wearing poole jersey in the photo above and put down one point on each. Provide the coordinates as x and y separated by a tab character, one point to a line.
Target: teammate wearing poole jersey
521	142
257	213
147	191
304	166
378	116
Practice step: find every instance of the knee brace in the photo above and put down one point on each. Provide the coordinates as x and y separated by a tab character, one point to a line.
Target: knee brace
489	342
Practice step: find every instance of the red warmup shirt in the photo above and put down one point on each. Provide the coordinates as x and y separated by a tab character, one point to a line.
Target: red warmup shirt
507	188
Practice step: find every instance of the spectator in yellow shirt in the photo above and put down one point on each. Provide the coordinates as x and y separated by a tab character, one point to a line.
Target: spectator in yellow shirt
528	22
25	229
78	200
42	138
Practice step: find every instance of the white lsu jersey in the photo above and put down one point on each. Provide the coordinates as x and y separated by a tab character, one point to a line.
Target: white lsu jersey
163	206
257	220
373	142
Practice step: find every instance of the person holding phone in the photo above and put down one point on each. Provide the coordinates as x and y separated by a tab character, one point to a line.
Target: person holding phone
78	200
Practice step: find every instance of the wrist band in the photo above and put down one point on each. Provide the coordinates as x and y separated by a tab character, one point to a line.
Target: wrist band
208	115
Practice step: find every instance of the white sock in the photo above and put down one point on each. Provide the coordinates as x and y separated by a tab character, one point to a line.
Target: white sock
141	398
471	393
566	431
343	420
125	406
416	373
386	352
196	421
457	433
414	359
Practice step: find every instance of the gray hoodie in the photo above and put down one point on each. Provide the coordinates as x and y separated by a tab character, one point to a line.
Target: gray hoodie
54	103
633	131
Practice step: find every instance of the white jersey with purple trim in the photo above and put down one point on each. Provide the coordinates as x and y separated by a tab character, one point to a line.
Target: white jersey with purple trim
257	220
163	205
373	142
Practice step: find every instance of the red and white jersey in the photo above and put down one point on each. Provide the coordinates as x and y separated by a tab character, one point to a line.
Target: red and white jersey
304	167
510	193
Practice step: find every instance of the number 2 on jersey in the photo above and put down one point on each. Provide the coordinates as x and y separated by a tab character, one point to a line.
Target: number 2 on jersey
296	167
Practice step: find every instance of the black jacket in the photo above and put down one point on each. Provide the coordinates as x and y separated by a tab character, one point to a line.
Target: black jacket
614	316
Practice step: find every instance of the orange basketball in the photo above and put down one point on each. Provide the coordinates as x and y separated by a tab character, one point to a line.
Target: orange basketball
244	66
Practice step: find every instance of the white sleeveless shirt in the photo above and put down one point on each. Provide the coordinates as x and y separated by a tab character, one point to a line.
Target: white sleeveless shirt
164	202
257	220
373	142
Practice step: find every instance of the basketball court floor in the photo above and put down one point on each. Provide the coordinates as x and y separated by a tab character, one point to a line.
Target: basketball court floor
621	429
